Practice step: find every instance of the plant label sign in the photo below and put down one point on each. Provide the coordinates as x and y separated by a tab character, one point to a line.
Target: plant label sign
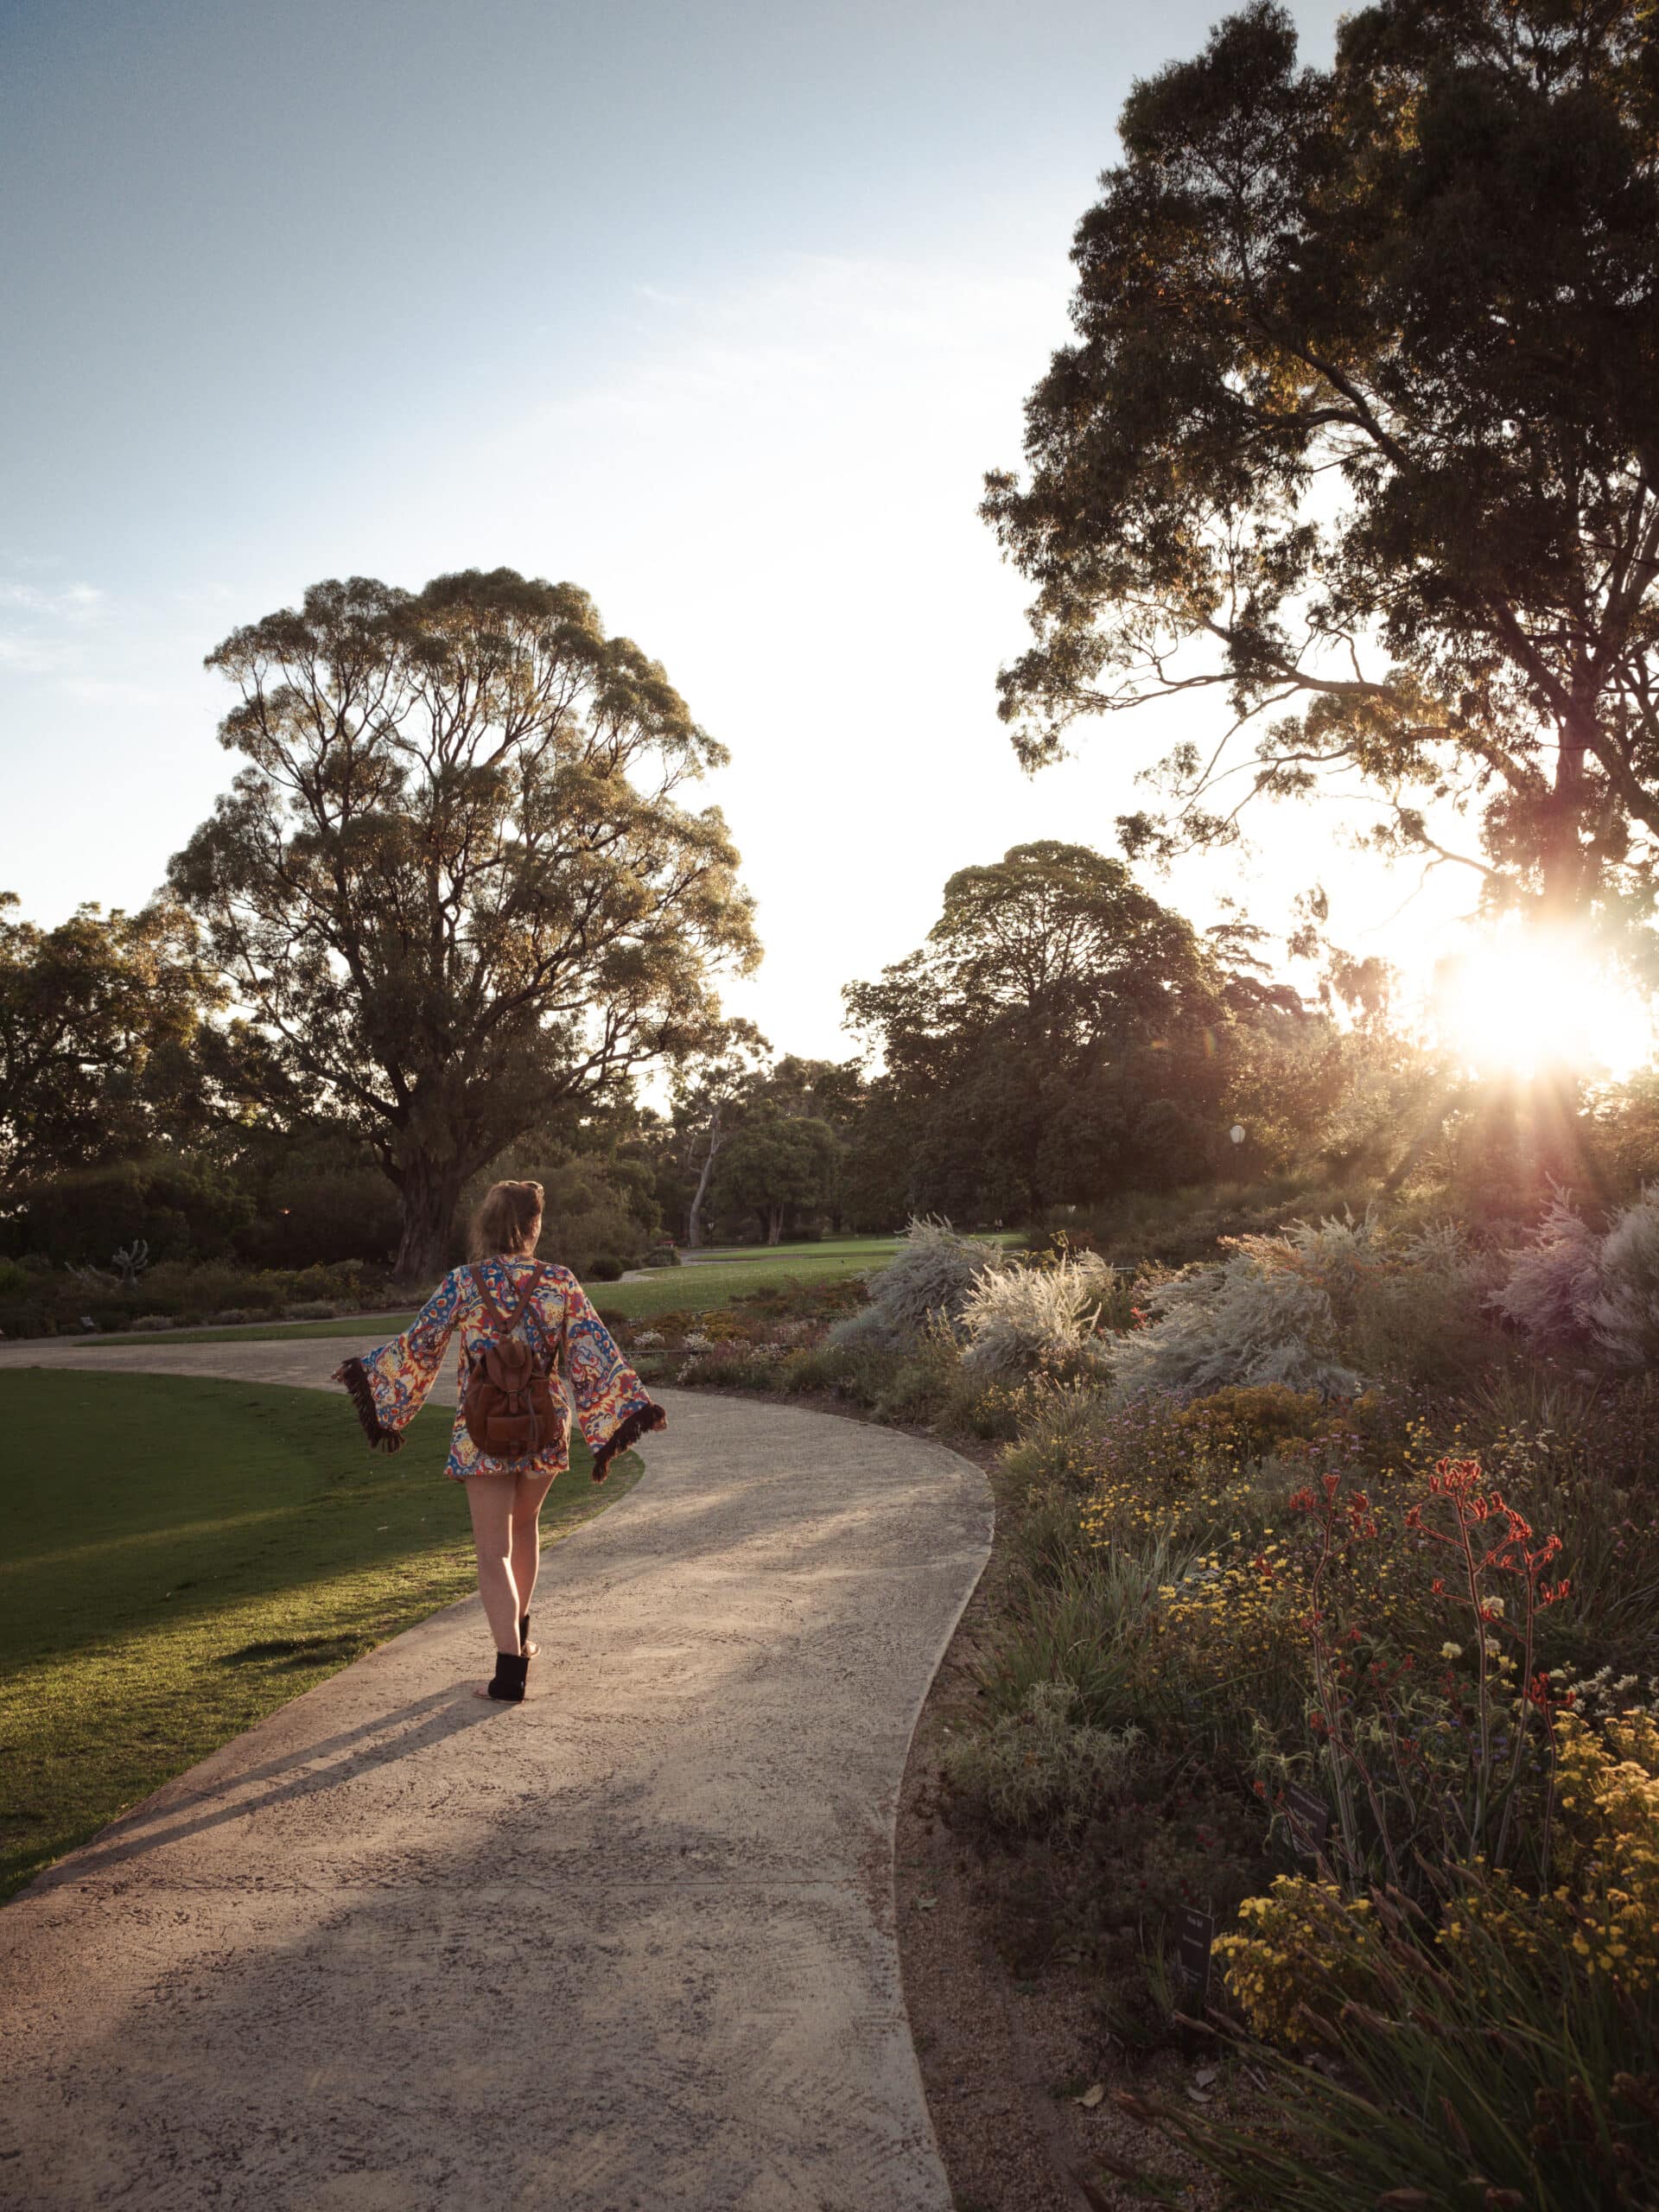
1308	1818
1195	1932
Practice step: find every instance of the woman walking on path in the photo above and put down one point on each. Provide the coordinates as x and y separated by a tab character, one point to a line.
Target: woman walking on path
507	1294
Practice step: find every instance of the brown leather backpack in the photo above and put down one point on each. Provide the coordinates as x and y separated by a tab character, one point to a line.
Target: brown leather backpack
507	1398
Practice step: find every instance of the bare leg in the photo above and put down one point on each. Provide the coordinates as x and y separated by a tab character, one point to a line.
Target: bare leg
490	1499
528	1491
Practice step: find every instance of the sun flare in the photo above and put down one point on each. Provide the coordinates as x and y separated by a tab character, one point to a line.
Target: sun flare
1524	1000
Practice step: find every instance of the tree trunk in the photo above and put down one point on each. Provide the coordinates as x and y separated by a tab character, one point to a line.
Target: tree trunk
774	1224
428	1195
1563	868
694	1218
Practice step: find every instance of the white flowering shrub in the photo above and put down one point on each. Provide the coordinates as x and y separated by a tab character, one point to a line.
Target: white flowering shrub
1021	1321
930	1277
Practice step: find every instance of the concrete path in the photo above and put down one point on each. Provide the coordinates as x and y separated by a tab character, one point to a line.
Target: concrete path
625	1947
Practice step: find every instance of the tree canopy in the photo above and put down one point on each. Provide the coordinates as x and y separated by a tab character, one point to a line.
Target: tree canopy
102	1049
455	884
1056	1033
777	1164
1359	426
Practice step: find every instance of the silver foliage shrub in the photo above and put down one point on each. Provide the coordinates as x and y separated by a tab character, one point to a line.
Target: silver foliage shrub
1241	1320
1040	1769
931	1278
1021	1321
1323	1305
1550	1292
1568	1288
1626	1315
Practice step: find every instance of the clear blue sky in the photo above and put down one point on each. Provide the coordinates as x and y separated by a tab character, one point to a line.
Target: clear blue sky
719	310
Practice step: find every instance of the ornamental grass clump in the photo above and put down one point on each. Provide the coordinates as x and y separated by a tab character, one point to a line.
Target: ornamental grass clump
931	1278
1022	1321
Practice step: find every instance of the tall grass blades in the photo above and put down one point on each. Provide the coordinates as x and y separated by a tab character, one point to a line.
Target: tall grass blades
1022	1321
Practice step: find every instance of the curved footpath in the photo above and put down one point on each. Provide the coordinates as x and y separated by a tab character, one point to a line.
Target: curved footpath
625	1947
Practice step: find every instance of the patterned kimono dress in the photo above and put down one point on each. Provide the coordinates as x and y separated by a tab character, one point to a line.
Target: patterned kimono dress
389	1386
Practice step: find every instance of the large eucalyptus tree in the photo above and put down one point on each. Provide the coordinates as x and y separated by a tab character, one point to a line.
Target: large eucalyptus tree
1360	426
456	883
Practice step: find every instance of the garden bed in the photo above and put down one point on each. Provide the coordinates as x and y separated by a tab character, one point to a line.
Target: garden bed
1352	1670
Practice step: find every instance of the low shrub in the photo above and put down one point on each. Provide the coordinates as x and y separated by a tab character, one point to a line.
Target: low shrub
606	1269
1553	1281
1244	1320
1319	1306
1625	1316
56	1300
1089	1624
1040	1768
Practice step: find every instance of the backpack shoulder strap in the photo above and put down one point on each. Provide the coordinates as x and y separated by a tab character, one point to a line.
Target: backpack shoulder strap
492	1311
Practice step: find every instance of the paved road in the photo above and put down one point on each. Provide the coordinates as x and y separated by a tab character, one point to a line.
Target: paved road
626	1948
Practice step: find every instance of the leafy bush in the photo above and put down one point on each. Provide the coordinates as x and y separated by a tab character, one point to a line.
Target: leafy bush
606	1269
1040	1768
321	1207
175	1205
54	1301
1021	1321
931	1277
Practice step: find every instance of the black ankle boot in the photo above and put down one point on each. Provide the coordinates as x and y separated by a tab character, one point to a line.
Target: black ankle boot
508	1683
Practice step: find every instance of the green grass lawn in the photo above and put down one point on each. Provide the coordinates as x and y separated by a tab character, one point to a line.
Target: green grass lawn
670	1290
863	1248
180	1557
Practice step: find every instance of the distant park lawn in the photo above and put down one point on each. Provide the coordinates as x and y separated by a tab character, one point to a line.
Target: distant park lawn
180	1557
692	1289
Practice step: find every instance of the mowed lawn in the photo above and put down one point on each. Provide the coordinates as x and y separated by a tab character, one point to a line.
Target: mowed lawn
178	1557
694	1289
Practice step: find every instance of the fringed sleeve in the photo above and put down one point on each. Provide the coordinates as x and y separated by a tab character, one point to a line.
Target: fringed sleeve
610	1399
388	1386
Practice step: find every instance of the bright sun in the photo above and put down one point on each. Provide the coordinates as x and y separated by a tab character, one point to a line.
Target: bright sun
1526	998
